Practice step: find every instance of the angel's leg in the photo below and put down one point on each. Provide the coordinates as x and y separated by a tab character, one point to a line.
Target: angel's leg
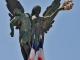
24	53
25	41
22	49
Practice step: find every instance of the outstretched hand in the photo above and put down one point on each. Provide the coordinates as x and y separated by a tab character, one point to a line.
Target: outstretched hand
12	34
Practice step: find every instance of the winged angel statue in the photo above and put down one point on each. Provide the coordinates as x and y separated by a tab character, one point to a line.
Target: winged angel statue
32	27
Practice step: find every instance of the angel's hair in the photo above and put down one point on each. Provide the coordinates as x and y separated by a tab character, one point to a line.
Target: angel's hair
37	7
17	11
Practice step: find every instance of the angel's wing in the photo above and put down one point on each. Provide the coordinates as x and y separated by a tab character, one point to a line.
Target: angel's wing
13	4
47	24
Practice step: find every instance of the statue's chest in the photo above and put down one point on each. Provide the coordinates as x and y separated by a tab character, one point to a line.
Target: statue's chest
37	23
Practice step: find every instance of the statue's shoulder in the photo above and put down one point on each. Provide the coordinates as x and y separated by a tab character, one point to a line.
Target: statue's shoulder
41	18
27	14
34	17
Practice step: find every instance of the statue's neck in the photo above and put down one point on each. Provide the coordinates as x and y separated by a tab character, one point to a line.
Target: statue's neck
37	15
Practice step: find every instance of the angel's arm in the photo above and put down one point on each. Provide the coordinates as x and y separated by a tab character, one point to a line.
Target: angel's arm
52	16
12	23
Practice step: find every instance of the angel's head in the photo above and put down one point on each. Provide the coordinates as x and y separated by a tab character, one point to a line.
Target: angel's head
17	12
36	10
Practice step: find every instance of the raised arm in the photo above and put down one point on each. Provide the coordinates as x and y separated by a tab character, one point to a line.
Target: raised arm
52	16
67	5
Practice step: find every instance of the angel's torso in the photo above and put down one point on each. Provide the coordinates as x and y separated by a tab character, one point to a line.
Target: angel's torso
25	22
37	28
37	25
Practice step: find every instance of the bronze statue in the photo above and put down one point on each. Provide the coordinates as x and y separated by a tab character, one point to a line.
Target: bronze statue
22	22
40	25
32	27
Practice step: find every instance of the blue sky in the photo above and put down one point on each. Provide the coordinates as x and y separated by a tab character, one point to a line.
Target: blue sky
62	42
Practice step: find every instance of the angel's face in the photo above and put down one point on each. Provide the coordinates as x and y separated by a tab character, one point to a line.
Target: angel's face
37	12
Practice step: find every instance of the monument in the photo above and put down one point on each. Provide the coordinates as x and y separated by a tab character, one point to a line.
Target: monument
32	27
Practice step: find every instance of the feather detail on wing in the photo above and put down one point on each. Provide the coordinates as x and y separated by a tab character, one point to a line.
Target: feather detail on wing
12	5
47	24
